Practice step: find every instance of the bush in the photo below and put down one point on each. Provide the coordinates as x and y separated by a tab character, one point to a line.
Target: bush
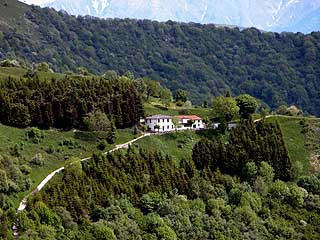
37	160
3	181
25	169
310	183
35	135
9	63
249	171
102	145
279	190
43	67
296	196
179	103
50	149
151	201
15	150
71	144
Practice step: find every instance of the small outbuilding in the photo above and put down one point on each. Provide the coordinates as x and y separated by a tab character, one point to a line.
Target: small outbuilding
190	122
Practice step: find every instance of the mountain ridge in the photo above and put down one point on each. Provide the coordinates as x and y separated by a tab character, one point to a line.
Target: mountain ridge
271	16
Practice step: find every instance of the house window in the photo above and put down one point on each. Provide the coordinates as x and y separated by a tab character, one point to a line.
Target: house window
172	126
162	120
198	125
163	128
168	127
168	120
158	120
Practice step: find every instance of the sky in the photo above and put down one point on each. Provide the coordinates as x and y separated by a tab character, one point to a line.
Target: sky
36	2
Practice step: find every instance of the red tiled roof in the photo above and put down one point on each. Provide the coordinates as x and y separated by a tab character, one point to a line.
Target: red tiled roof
192	117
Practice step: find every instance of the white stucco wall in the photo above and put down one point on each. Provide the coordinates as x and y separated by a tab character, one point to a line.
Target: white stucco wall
165	125
198	124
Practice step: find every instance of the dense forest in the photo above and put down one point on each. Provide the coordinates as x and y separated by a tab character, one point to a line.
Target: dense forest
248	145
206	60
140	194
64	103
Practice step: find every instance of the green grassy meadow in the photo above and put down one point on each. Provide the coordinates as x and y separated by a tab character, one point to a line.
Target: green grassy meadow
56	148
154	107
178	145
296	141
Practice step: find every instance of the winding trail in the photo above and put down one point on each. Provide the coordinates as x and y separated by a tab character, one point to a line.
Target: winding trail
23	203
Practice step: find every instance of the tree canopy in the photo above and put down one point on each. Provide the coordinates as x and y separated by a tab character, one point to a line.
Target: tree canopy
247	105
205	60
224	109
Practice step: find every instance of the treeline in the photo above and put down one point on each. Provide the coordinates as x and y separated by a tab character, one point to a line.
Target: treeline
35	101
248	145
204	59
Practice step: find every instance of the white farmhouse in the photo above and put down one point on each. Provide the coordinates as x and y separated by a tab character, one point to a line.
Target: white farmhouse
159	123
190	122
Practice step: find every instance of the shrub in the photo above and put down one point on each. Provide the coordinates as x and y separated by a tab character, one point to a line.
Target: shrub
15	150
38	160
150	202
35	135
279	190
25	169
71	144
102	145
179	103
310	183
50	149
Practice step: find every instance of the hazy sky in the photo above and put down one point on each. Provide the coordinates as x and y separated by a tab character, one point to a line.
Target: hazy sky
36	1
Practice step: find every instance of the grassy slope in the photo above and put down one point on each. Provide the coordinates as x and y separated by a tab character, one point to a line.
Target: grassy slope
155	107
296	142
179	145
9	137
11	11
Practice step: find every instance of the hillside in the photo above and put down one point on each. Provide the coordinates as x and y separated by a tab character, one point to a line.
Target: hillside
33	152
300	136
203	59
35	160
11	11
149	193
136	192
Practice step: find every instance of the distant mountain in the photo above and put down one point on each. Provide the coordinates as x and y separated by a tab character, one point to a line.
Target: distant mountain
273	15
